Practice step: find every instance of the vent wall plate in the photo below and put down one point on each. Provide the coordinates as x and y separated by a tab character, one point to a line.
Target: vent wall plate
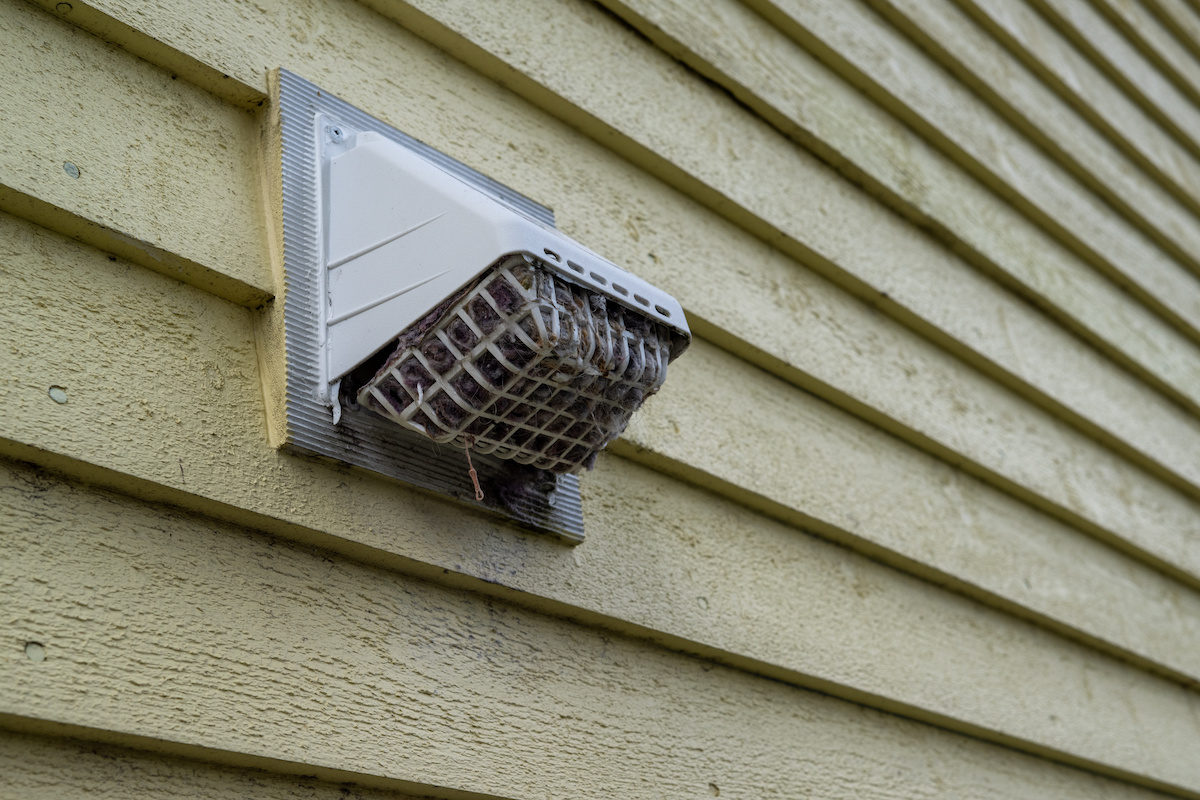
379	230
309	117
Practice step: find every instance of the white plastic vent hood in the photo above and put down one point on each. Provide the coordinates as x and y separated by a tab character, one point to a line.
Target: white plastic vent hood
403	235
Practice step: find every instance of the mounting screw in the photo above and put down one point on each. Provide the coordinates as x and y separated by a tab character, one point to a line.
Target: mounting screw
63	8
70	169
337	134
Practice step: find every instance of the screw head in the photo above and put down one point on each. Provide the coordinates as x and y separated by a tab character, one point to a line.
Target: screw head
70	169
63	8
337	134
58	394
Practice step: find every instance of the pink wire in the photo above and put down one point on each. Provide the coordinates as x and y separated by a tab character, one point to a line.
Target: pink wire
470	440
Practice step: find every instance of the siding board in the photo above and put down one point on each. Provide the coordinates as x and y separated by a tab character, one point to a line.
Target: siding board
1180	21
144	46
1045	52
310	658
151	151
1144	32
132	425
1013	343
901	78
916	516
945	288
1111	52
44	768
1127	178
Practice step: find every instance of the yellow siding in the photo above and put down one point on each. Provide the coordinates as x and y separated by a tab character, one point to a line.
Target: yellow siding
43	768
917	515
154	151
203	634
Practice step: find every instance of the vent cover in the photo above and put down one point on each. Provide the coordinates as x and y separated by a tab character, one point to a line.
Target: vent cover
525	366
442	301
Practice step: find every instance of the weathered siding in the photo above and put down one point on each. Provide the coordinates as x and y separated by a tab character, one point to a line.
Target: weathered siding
917	515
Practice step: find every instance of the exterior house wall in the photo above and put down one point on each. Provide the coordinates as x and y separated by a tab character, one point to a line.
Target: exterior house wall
918	514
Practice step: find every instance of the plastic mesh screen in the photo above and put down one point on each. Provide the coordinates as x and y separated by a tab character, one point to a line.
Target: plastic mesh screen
524	365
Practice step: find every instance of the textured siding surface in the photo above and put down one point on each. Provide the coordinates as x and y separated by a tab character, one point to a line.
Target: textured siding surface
917	515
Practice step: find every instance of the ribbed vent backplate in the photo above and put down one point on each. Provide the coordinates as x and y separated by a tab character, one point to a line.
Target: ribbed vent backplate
530	497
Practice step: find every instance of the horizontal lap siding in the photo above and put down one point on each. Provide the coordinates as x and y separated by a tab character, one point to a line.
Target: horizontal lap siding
1010	489
941	296
854	482
160	625
164	166
1095	36
1150	53
1034	41
1162	204
1180	21
44	768
659	235
940	289
1169	56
